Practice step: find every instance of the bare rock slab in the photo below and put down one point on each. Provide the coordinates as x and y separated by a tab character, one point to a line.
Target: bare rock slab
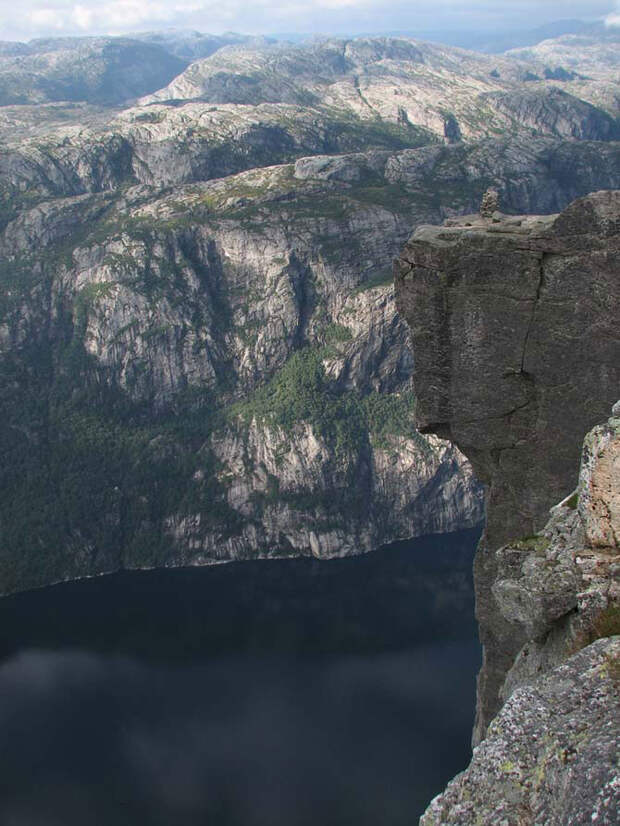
550	757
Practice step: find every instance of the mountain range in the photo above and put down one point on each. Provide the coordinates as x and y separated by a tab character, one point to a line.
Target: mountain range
200	353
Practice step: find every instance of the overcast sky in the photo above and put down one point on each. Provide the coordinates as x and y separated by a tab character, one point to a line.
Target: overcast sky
36	18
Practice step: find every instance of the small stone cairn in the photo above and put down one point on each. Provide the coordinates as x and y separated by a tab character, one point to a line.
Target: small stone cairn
490	203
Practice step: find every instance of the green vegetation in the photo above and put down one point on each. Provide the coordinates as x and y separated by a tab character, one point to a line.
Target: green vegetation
538	543
88	475
389	415
572	501
301	392
381	279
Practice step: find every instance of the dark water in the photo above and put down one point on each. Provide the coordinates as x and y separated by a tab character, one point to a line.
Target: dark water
282	693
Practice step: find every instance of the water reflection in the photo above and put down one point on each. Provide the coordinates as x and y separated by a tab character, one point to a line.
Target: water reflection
255	695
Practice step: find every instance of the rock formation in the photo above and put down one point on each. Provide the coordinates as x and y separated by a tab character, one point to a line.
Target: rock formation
178	274
514	327
550	755
522	313
148	346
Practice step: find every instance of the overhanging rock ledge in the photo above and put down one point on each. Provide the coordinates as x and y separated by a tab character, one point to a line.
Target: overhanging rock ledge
516	339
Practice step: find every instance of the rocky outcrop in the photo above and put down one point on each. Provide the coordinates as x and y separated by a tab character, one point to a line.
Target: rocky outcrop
173	146
561	587
550	754
552	111
548	604
193	301
515	333
452	93
178	276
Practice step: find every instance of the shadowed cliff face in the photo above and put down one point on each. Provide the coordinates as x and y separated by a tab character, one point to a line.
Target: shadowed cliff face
514	326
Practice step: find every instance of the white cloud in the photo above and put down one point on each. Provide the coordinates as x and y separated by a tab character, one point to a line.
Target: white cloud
46	18
613	19
41	17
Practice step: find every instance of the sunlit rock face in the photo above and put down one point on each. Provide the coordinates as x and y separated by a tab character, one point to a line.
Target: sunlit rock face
219	364
221	369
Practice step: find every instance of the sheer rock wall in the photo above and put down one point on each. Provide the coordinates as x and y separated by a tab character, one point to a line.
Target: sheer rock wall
514	327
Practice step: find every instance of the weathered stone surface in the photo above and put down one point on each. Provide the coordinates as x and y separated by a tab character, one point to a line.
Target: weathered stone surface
599	501
514	327
550	756
561	588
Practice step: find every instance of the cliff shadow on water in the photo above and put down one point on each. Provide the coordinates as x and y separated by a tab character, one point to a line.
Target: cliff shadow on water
273	692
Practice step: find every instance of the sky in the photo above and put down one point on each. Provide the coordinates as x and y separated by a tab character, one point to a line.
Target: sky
39	18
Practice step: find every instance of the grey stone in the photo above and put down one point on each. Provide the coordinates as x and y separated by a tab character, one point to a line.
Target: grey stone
550	756
517	356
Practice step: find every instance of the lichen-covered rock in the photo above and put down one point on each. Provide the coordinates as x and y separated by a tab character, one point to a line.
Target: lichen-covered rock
550	757
561	588
538	578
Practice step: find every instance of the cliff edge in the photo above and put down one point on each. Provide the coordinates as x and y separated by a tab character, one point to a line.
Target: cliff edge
514	323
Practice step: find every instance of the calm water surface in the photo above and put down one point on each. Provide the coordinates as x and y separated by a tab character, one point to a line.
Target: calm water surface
282	693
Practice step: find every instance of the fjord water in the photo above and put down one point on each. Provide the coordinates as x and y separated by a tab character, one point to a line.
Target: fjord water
269	693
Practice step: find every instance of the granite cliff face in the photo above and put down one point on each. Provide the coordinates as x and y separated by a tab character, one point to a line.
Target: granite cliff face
522	314
212	366
240	333
200	353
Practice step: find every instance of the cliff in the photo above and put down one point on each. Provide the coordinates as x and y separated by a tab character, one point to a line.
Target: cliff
200	354
216	369
550	755
514	326
211	373
517	355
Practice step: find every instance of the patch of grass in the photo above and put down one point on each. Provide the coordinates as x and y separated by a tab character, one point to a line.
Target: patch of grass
383	278
572	501
537	543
